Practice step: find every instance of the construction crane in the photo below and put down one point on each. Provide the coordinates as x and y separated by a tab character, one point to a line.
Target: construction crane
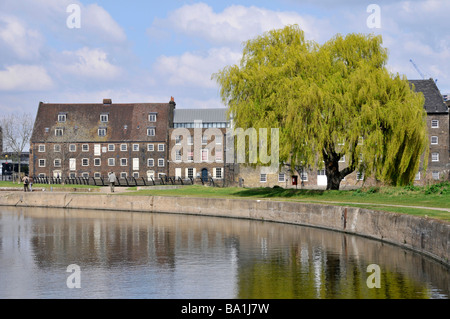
418	71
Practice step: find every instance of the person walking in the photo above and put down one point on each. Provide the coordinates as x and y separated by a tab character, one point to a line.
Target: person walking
31	183
112	180
25	181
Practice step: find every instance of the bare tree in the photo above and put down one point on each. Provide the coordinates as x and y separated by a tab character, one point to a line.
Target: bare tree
17	129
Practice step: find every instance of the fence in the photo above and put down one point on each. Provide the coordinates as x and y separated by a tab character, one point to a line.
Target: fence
125	182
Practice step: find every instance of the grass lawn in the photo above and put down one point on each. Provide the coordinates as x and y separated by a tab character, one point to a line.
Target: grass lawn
377	198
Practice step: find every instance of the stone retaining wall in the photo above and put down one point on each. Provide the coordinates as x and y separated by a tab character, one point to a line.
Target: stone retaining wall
427	236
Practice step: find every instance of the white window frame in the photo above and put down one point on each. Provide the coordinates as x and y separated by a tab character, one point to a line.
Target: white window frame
111	161
72	164
62	118
152	117
56	161
417	177
434	123
102	132
97	175
85	147
41	148
59	132
436	140
161	147
122	161
123	147
104	118
150	162
97	149
111	147
135	147
281	177
263	178
57	148
123	175
42	162
85	162
435	175
218	172
206	151
359	176
435	157
161	160
72	148
150	147
151	131
99	161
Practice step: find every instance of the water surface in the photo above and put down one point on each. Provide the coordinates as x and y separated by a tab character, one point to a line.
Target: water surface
142	255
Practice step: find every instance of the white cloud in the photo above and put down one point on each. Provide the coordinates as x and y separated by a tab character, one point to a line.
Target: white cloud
96	19
25	78
23	42
236	23
193	69
89	63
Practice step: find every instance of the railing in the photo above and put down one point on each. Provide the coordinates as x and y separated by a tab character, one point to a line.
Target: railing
125	182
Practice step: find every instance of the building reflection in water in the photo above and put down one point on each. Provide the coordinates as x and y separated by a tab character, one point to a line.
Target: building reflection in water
141	255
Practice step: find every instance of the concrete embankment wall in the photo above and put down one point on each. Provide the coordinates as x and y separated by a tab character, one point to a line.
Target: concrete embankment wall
428	236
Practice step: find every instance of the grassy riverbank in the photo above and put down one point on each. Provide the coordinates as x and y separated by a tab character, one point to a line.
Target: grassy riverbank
432	201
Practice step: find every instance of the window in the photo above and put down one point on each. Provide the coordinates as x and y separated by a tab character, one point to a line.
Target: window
47	129
161	162
85	162
150	162
178	140
123	162
72	175
72	164
41	175
435	175
135	164
190	173
150	147
151	131
123	147
136	174
152	117
59	132
304	176
342	159
135	147
218	140
219	157
434	123
72	148
204	140
123	175
97	149
85	175
56	148
281	178
435	157
57	162
111	161
160	147
85	148
97	175
218	172
103	118
190	156
62	117
97	161
204	155
359	176
417	178
178	155
41	148
102	132
263	178
434	140
111	147
190	140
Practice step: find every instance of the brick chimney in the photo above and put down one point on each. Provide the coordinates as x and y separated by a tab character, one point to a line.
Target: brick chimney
107	101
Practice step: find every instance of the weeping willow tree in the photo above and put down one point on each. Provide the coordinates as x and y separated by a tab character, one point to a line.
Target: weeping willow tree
329	101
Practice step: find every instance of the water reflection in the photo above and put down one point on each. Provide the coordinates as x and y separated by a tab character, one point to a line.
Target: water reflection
139	255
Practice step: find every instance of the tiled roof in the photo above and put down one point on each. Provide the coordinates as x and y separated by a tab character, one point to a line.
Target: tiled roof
205	115
126	122
434	102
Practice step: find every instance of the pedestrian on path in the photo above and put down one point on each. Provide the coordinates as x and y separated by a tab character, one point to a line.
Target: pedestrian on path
25	181
112	180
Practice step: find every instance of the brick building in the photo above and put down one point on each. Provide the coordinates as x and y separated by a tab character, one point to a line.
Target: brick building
90	140
197	145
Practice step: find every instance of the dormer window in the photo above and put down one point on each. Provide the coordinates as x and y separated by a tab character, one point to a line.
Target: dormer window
152	117
104	118
62	117
59	132
102	132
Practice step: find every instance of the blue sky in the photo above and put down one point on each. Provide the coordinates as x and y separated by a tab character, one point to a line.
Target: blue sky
148	51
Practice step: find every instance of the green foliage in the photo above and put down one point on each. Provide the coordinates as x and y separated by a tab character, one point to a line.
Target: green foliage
325	99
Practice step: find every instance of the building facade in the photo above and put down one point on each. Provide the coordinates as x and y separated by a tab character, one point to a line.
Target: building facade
91	140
